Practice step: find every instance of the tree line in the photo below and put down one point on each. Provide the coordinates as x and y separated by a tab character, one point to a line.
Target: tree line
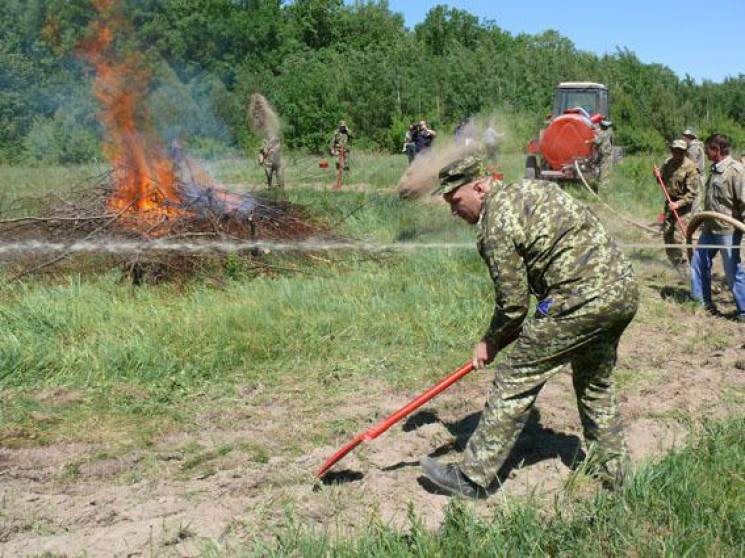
318	62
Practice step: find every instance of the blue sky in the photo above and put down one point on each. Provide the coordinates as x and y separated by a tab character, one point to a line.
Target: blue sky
703	39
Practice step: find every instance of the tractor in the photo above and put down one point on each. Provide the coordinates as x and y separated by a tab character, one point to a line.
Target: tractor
567	142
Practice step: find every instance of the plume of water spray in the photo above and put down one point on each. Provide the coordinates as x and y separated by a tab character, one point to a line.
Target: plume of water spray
22	249
421	176
262	118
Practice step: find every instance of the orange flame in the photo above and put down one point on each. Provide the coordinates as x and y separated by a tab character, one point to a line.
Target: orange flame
144	174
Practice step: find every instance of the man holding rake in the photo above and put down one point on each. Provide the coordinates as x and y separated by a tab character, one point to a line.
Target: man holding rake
537	240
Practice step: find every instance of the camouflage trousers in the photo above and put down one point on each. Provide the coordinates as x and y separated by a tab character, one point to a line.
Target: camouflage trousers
604	166
272	171
671	234
585	335
340	155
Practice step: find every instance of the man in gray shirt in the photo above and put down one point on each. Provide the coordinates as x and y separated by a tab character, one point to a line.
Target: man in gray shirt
725	194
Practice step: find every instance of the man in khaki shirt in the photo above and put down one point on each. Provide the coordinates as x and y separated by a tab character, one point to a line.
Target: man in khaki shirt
725	194
682	180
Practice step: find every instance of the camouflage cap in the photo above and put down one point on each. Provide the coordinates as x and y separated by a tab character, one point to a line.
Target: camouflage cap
689	132
460	172
679	144
342	124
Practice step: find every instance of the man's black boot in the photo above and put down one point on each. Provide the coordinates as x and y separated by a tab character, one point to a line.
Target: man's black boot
712	311
450	478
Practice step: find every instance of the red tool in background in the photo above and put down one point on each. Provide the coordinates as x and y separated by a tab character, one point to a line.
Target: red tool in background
384	425
658	176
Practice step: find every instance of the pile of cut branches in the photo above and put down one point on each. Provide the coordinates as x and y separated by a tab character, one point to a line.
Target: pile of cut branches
83	230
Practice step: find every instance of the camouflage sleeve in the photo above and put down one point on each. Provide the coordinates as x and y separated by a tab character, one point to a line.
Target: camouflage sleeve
511	292
692	182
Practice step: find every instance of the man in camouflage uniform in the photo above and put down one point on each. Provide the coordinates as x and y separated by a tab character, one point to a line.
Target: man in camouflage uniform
725	194
340	144
270	157
537	239
695	150
604	149
682	180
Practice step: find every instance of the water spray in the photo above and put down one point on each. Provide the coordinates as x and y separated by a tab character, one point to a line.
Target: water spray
141	247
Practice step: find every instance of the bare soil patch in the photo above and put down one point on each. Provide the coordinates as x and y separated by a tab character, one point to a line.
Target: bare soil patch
235	478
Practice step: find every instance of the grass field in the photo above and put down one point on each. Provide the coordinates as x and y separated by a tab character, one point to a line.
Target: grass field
159	388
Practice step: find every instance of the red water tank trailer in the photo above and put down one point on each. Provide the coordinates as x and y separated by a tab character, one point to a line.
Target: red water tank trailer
568	138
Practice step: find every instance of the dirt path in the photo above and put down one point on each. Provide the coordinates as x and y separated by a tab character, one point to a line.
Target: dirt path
254	467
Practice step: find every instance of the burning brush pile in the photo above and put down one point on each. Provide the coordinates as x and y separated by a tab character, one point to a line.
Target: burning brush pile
152	196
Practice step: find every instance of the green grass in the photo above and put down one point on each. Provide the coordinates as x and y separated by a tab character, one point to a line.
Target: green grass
147	355
89	357
386	320
138	356
691	503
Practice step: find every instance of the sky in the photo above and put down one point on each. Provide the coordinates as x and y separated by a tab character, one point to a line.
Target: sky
705	40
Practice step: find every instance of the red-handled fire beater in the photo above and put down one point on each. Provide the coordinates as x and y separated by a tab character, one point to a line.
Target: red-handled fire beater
404	411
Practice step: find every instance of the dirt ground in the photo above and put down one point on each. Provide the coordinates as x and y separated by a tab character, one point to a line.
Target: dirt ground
71	499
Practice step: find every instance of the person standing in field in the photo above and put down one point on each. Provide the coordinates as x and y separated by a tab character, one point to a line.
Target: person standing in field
424	138
695	150
270	157
682	179
340	144
725	194
604	147
538	240
410	143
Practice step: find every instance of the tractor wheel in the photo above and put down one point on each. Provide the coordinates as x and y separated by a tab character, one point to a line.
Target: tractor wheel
531	167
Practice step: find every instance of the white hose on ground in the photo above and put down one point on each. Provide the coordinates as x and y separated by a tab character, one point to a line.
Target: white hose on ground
629	220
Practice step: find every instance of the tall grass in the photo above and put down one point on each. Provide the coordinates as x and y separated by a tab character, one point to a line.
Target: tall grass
396	317
139	353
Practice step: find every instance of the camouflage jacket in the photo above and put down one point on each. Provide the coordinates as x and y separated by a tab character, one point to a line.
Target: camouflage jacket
682	181
270	154
340	139
537	239
604	143
725	193
696	154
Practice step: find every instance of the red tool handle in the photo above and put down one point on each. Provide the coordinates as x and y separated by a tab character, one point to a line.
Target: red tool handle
384	425
661	182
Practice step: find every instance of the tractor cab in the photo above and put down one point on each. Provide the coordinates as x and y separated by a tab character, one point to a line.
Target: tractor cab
592	97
